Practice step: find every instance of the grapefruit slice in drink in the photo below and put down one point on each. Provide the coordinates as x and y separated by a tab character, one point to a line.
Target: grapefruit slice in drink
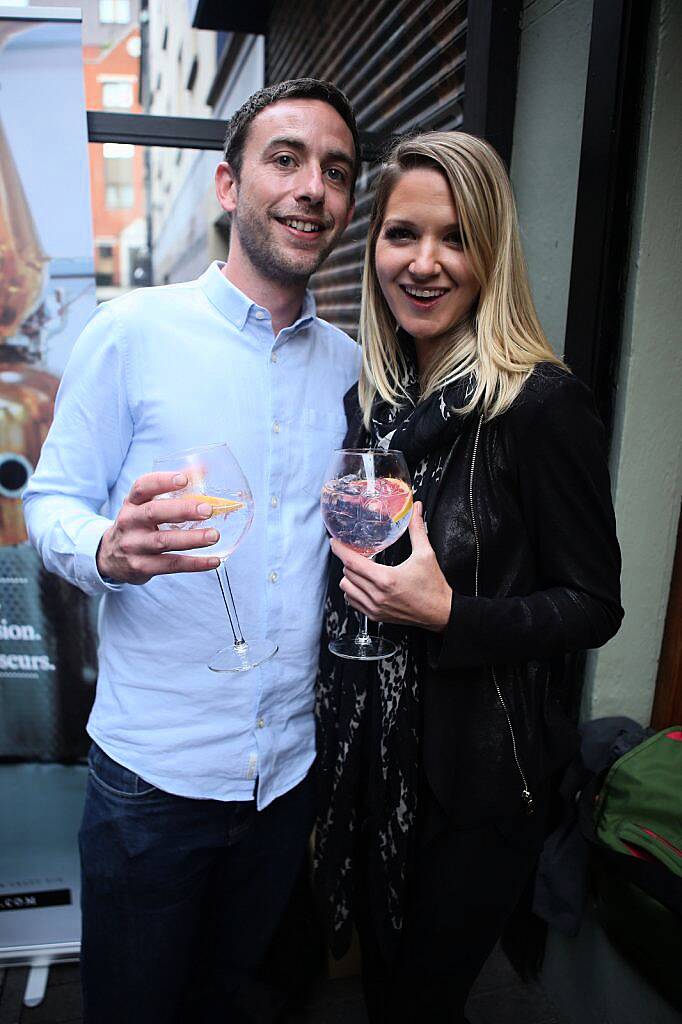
389	497
400	501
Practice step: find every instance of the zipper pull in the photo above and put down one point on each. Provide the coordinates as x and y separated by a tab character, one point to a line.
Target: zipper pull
528	801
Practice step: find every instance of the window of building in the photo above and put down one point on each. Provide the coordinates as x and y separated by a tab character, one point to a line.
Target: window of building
119	197
114	12
118	151
164	41
192	77
117	95
140	266
221	39
119	192
105	250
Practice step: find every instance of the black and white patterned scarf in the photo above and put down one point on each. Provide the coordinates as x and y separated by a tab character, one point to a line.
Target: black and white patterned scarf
368	713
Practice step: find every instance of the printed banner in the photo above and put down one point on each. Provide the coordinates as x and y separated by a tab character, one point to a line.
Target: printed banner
47	292
39	871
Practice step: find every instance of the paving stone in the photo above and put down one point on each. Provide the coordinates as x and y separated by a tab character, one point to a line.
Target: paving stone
12	994
497	973
518	1004
498	998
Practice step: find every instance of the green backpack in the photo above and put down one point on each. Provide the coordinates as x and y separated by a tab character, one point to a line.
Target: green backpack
639	808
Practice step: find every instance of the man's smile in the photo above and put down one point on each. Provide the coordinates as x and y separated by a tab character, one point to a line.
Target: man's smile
303	226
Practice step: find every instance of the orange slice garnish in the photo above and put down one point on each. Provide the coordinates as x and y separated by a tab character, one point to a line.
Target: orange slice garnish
220	506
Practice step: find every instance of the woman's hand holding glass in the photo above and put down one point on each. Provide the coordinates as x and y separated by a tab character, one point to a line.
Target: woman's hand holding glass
414	593
366	503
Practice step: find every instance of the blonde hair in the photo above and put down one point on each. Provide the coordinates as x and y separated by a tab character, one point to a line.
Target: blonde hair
500	340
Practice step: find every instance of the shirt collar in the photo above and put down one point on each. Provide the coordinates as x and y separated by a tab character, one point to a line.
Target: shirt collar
236	306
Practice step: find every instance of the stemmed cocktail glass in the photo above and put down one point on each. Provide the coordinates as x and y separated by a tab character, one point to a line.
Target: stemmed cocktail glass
215	477
366	503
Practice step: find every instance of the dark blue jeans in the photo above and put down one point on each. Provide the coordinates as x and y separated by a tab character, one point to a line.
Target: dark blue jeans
180	897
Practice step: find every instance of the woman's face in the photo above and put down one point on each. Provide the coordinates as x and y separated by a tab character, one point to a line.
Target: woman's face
422	269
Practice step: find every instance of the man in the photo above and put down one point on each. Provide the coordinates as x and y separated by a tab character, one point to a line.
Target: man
199	804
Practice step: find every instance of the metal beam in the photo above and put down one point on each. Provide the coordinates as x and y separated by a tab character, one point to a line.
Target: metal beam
186	132
608	154
153	130
232	16
492	51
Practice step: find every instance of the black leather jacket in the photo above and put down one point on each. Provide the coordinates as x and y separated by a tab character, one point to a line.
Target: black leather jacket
523	529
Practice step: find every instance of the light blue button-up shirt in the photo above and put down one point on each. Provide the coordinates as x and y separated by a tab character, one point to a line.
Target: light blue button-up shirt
153	372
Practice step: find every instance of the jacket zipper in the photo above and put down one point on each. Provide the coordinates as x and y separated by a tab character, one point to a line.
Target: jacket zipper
525	792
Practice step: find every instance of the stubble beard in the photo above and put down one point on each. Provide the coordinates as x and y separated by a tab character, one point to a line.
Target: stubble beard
255	236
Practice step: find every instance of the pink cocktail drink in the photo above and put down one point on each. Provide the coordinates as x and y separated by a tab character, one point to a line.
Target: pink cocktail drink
367	515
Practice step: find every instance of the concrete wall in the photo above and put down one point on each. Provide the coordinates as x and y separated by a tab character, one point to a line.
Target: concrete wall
554	50
647	439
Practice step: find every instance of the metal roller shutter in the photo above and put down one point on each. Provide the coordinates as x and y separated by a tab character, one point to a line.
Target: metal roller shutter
401	63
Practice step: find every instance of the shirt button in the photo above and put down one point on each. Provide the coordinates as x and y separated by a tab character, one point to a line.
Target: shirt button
273	357
260	315
273	501
273	577
276	427
261	723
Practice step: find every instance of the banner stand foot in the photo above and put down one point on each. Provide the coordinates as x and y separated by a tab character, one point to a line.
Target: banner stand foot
36	983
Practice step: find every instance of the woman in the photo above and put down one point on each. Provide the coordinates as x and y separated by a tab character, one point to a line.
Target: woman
435	765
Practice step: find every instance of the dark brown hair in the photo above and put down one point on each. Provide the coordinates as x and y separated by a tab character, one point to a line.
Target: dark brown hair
294	89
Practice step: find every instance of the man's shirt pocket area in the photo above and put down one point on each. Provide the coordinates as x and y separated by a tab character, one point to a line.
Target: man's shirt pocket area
322	431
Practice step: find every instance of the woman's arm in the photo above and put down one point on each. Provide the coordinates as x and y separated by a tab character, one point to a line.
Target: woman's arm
567	509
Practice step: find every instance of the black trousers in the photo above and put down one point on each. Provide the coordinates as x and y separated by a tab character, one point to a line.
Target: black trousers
180	897
464	885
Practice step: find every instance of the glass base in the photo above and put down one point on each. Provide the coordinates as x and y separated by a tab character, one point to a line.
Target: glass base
242	657
367	648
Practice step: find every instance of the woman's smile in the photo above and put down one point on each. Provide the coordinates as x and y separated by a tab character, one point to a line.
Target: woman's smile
424	298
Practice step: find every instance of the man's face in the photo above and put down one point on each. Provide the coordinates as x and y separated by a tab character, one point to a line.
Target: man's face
292	200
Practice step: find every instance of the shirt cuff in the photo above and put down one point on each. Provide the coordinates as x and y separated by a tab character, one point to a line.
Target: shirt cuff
87	574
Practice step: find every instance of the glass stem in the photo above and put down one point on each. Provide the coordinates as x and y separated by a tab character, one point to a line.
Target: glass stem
363	638
231	608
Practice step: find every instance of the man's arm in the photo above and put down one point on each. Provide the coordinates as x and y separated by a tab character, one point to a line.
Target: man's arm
79	465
